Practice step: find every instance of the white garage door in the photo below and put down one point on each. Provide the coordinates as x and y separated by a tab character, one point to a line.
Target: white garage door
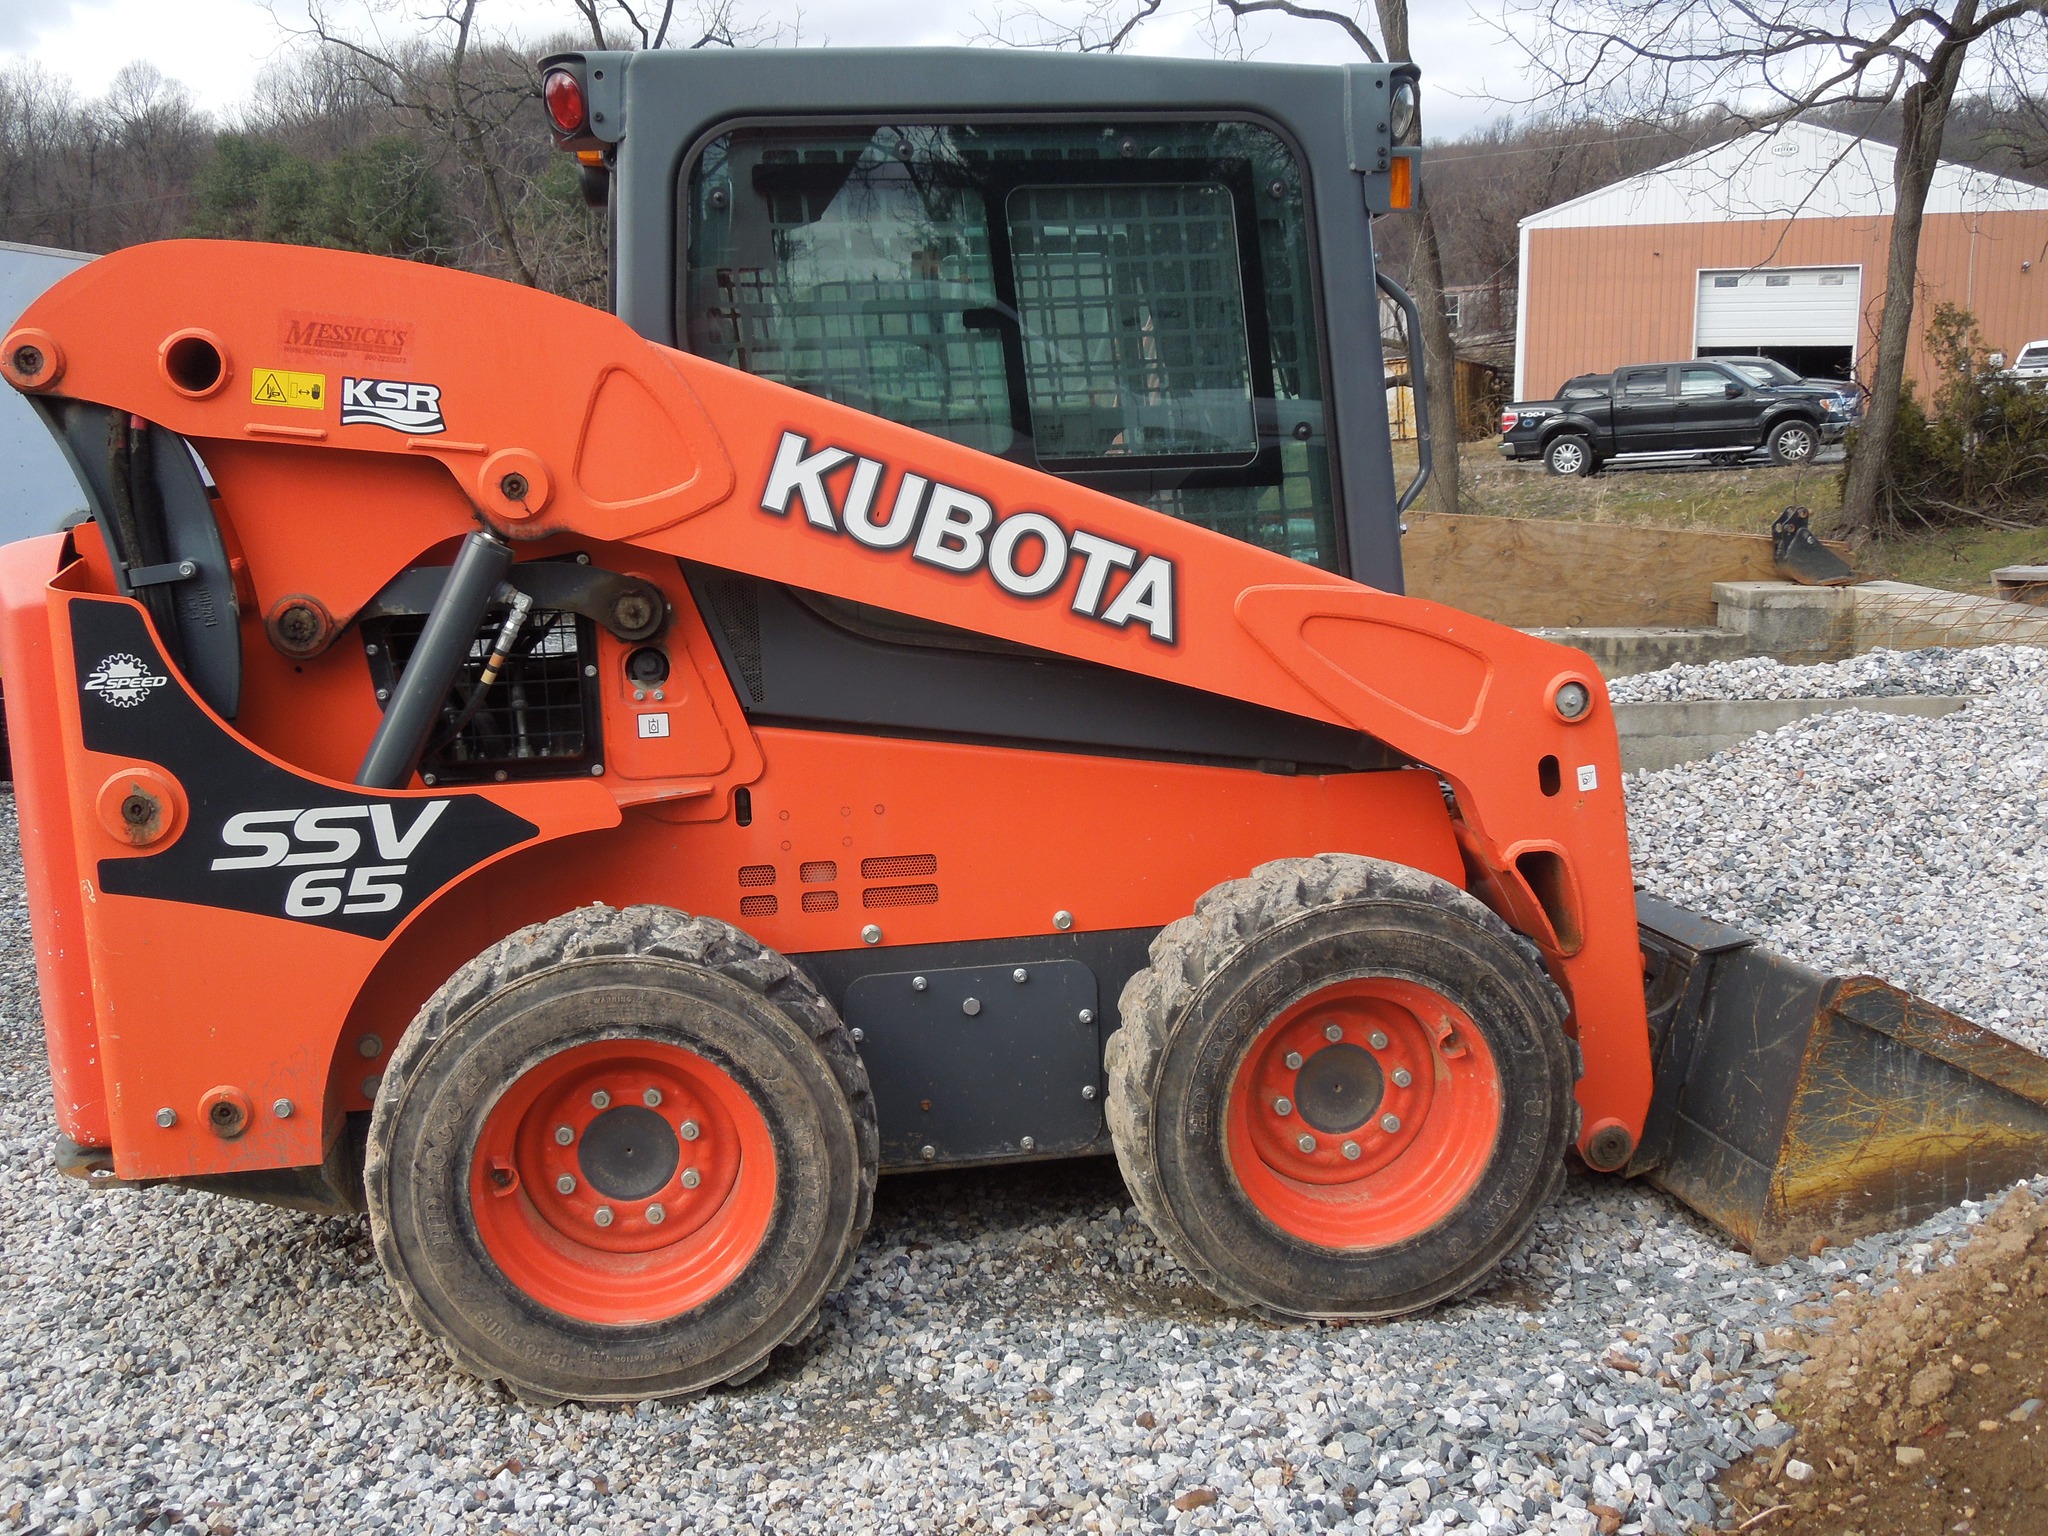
1780	307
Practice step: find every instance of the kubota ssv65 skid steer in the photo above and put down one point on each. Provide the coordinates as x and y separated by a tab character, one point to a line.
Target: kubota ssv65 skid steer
925	684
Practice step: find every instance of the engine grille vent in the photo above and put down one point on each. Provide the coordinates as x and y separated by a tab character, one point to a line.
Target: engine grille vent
899	866
738	613
757	906
757	874
821	901
900	896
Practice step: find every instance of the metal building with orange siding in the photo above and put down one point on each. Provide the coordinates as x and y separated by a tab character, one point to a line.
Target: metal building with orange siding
1773	243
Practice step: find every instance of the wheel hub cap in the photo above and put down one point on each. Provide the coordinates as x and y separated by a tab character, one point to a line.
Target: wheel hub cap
629	1153
1339	1088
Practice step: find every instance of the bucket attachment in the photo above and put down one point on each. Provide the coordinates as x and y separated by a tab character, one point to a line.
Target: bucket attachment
1794	1109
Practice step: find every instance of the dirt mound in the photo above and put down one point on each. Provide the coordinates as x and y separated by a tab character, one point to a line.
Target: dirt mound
1920	1409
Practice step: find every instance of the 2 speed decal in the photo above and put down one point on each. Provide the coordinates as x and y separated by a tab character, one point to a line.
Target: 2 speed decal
414	409
124	680
1027	554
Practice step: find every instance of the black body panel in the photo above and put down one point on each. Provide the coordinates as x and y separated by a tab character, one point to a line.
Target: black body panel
789	661
981	1061
1030	1049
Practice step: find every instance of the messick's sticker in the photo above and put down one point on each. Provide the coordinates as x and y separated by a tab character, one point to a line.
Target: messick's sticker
299	391
1589	778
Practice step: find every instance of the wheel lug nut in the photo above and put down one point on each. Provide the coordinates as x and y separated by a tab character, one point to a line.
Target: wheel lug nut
656	1215
1294	1061
689	1130
1306	1143
651	1098
692	1178
1351	1150
564	1135
566	1185
600	1100
1390	1123
1333	1032
602	1216
1283	1107
1377	1039
1403	1077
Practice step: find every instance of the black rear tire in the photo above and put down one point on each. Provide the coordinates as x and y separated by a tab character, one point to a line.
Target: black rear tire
598	980
1568	454
1219	981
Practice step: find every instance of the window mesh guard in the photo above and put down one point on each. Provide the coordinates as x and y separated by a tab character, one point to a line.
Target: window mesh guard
538	720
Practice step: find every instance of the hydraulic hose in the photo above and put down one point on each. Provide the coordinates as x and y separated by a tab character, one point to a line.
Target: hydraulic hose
408	723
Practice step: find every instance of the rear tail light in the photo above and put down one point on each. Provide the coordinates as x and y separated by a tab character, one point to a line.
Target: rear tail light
1507	422
563	93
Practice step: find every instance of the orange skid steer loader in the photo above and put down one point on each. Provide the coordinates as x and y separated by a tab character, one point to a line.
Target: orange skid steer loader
595	790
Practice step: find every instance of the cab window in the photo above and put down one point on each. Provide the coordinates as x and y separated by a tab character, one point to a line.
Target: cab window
1125	305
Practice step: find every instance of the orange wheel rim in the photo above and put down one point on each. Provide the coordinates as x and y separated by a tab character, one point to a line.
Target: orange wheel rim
1363	1114
623	1181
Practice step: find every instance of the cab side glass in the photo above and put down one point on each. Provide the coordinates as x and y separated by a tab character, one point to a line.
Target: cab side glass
1128	306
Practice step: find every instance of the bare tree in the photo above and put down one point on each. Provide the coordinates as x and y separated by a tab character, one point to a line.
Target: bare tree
473	96
1770	61
1110	26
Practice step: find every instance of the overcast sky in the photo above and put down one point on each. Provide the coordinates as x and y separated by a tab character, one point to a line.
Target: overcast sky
218	47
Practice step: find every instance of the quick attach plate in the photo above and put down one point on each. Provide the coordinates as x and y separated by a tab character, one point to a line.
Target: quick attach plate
973	1063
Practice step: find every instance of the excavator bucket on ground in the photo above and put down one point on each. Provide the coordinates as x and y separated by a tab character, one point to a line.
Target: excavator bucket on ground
1794	1109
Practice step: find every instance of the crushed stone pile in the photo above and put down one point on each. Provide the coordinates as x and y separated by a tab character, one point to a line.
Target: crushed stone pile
1013	1350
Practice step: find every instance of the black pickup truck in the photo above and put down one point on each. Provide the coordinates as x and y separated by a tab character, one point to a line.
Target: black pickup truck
1719	408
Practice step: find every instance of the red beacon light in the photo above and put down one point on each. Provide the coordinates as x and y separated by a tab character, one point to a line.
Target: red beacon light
563	93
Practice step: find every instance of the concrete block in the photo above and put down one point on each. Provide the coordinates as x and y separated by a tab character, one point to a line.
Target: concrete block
1798	625
1622	652
1664	735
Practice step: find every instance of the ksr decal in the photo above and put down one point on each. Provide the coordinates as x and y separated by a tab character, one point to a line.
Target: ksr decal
414	409
1027	553
327	840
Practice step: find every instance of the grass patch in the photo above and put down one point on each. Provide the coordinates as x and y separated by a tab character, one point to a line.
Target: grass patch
1960	559
1742	500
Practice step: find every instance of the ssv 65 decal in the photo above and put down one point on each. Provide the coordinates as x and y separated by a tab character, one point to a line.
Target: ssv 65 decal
1027	554
260	838
329	839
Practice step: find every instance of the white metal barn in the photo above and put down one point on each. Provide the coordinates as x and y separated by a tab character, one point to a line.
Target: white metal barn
1773	243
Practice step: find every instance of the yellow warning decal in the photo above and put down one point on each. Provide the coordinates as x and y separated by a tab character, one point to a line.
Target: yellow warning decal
300	391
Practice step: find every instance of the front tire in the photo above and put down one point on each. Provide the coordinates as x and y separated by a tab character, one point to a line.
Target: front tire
1341	1090
621	1155
1793	442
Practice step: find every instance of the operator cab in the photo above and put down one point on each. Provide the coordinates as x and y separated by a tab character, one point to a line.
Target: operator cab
1119	271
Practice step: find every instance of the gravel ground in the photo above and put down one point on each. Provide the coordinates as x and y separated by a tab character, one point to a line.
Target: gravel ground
1013	1349
1914	849
1988	670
